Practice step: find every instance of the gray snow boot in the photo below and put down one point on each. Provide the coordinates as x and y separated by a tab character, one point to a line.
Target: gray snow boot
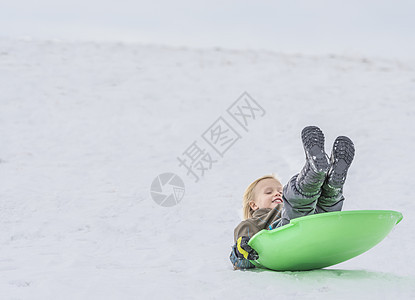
301	193
331	198
312	176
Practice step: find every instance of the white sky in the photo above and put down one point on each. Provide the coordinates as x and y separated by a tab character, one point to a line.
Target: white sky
383	28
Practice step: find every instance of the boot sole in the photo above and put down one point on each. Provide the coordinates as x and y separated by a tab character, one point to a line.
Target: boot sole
313	142
341	159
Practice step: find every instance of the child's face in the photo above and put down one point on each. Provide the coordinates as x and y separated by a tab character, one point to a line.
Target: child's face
268	194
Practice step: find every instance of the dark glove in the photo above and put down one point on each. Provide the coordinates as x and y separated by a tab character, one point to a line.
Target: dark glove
243	250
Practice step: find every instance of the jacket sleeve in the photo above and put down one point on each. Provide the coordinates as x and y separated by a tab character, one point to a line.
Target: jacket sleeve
245	228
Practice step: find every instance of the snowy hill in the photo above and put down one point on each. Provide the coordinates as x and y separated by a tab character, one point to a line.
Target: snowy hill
85	128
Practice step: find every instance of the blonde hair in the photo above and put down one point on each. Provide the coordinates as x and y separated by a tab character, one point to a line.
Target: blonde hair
249	195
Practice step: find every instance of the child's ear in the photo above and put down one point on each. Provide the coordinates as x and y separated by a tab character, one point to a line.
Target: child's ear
253	205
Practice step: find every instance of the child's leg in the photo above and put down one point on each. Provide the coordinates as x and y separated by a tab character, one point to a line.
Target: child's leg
331	198
302	191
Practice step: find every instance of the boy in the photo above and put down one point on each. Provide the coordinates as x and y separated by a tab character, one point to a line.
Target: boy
318	188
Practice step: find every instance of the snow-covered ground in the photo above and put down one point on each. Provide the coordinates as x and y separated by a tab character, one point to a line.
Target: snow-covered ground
85	128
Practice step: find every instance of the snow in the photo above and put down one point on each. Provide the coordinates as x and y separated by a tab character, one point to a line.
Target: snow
85	127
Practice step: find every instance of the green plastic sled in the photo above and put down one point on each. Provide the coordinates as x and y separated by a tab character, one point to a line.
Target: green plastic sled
322	240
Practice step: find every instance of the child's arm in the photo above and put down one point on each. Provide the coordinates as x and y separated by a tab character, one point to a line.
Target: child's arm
241	251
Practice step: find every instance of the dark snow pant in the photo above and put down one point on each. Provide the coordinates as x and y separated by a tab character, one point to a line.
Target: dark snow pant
298	203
